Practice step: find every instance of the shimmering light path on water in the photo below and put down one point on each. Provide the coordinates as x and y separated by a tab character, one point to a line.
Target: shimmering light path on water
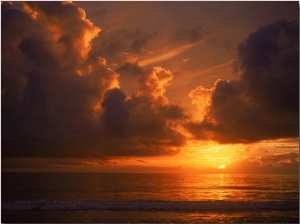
52	197
169	187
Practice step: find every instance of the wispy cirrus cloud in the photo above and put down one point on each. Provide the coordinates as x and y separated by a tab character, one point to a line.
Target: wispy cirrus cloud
168	55
217	66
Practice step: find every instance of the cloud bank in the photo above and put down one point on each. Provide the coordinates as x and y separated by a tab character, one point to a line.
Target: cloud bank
263	103
60	101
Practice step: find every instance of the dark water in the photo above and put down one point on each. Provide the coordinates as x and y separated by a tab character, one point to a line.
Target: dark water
132	198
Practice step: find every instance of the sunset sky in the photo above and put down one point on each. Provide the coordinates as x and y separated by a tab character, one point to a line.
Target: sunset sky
150	87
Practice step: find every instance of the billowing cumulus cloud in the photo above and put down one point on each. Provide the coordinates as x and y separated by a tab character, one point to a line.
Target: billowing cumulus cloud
72	98
201	98
144	124
58	100
263	103
152	84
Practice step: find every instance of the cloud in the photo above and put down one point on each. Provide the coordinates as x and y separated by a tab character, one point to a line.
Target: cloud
287	162
172	53
31	164
152	84
201	98
66	27
264	102
60	100
115	113
130	69
144	124
113	44
141	161
280	159
49	85
218	66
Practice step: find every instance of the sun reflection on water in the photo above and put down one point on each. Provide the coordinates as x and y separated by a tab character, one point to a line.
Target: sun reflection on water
221	194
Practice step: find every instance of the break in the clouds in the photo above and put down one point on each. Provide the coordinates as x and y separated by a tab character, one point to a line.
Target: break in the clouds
263	103
60	101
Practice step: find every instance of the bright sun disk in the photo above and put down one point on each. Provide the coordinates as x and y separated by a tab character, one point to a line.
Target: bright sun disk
221	167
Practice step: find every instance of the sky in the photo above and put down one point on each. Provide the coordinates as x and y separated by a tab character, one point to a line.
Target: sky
150	87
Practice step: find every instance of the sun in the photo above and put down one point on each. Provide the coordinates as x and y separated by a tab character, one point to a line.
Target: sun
221	167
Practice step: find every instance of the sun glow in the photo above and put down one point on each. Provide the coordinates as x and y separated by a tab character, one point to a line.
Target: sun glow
221	167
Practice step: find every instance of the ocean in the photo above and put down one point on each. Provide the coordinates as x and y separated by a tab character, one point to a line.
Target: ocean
148	198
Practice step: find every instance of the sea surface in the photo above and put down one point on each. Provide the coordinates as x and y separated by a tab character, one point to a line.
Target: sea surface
148	198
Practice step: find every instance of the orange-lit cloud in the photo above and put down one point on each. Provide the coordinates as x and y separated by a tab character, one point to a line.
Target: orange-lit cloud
264	102
48	80
138	126
87	101
69	103
71	32
201	98
152	84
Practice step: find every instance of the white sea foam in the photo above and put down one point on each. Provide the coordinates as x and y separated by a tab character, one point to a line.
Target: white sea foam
151	205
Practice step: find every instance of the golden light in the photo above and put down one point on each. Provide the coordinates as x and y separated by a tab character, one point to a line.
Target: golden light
97	106
30	11
221	167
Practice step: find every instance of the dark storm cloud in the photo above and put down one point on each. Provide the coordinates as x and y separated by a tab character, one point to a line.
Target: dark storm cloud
145	123
44	101
60	101
264	102
115	113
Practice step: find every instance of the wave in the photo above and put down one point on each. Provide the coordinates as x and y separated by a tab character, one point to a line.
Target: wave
225	206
